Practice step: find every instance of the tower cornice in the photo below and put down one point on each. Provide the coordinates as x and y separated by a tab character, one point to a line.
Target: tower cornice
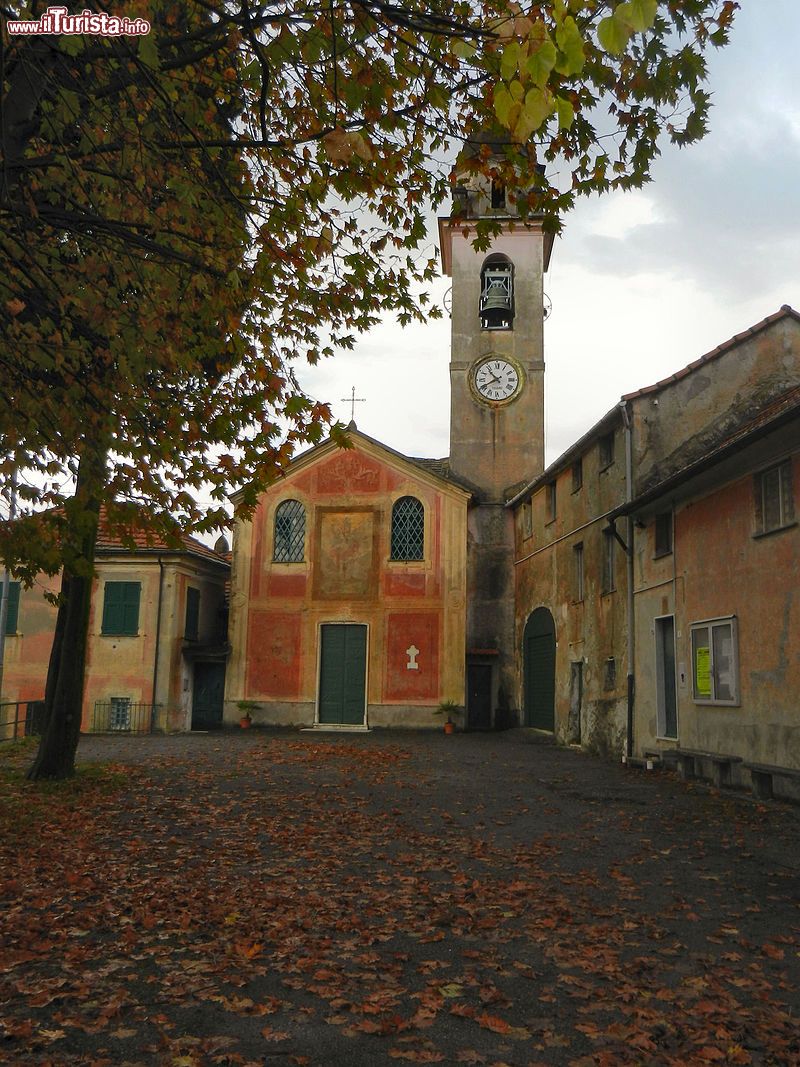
468	227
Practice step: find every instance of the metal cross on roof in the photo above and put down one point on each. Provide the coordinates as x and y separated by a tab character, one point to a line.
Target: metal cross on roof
352	400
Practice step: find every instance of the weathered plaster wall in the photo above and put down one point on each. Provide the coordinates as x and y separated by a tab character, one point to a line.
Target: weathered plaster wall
490	600
722	569
496	447
123	666
590	631
27	652
676	424
347	576
174	687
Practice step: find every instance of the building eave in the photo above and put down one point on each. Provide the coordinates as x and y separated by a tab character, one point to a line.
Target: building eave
122	554
566	459
448	225
785	412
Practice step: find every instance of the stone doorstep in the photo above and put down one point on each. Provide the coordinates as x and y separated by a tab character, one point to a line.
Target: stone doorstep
326	728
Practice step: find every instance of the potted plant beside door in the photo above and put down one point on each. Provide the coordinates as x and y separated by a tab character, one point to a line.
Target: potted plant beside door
246	706
448	708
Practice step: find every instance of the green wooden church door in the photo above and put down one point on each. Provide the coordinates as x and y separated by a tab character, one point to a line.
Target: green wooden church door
539	660
342	674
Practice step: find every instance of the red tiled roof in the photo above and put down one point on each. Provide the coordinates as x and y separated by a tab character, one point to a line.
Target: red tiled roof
785	312
139	538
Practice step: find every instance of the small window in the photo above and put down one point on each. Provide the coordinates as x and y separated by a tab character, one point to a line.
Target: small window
610	673
527	519
120	714
774	498
290	532
121	609
577	556
498	194
715	666
550	501
12	616
662	533
192	627
606	448
609	583
577	475
408	529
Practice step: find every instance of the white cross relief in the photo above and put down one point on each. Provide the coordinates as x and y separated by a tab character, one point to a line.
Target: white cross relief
412	654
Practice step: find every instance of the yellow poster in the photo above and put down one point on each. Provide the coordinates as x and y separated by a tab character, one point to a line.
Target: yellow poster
702	672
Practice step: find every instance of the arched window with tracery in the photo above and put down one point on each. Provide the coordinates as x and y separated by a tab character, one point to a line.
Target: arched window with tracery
408	529
497	293
290	532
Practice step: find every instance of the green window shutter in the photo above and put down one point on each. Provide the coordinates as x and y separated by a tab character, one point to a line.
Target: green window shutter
192	628
12	617
121	608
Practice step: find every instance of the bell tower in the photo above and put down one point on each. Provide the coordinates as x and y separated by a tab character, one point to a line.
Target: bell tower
496	355
496	414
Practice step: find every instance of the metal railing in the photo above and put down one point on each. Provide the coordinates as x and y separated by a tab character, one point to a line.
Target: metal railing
120	716
21	718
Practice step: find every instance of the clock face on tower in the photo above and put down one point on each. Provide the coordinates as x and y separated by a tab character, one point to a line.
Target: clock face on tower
495	379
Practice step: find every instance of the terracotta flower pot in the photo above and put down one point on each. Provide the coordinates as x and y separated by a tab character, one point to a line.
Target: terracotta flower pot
449	727
245	722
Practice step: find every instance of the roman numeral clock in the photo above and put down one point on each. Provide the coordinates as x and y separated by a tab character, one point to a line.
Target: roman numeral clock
496	380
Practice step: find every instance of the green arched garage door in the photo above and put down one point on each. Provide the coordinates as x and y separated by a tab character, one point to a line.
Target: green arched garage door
539	665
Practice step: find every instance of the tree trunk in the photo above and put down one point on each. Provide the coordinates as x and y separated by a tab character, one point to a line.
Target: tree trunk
67	667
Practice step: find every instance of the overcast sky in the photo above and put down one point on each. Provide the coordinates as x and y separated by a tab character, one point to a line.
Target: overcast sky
641	283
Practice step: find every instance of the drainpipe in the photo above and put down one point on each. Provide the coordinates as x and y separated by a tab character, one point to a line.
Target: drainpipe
158	640
6	582
629	533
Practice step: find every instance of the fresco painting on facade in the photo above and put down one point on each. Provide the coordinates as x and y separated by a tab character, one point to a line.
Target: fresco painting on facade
348	544
350	575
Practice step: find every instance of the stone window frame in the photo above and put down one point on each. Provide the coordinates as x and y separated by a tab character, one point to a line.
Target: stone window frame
413	539
290	545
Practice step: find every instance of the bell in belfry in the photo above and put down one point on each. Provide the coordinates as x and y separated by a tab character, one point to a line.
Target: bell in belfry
496	304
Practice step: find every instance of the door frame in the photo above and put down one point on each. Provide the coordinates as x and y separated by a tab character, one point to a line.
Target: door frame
489	662
526	681
658	675
341	622
201	662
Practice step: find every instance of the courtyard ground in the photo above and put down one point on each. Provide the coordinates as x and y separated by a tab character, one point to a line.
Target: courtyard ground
283	898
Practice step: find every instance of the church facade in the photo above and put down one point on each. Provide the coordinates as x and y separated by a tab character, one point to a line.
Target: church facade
330	592
348	592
